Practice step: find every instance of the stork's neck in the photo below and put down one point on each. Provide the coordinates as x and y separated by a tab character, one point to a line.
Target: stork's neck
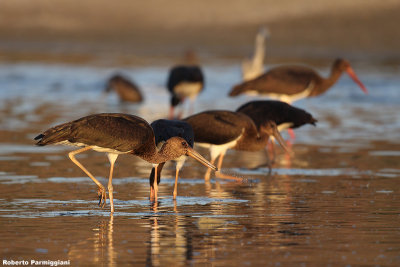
260	142
253	142
331	80
156	157
150	153
259	52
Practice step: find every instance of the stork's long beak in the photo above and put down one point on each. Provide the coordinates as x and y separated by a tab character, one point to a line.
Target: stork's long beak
353	76
281	141
192	153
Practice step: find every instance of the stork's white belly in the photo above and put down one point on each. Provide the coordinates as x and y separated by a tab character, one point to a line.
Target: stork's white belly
216	150
283	97
188	89
96	148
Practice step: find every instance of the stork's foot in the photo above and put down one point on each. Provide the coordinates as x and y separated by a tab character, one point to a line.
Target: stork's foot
153	195
102	196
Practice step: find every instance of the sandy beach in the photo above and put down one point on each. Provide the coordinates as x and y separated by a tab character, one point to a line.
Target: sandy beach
147	32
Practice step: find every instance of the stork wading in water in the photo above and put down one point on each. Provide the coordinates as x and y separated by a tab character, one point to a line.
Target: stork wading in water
184	81
254	67
115	134
126	89
220	130
290	83
164	130
284	115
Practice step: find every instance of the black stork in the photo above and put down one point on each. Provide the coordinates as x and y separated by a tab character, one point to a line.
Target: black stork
164	130
184	81
289	83
126	89
284	115
220	130
114	134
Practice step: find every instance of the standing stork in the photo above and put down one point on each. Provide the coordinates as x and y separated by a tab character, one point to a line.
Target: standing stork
115	134
126	89
254	67
164	130
184	81
289	83
220	130
284	115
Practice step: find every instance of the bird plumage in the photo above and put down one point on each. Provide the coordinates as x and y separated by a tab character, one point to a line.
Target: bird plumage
164	130
116	133
184	81
184	73
280	112
120	132
220	126
221	130
254	67
292	82
126	89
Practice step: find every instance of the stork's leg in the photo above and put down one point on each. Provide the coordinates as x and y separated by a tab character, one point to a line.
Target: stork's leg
178	167
208	172
221	158
155	184
191	105
112	158
270	150
269	161
225	176
156	181
291	134
171	113
102	191
289	143
151	182
176	183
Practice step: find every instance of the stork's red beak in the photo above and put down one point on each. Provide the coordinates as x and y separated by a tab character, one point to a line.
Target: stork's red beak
353	75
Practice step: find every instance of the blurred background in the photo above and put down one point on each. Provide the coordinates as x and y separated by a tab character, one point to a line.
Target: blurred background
147	32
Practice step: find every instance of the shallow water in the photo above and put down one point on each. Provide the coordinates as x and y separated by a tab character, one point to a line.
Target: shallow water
335	203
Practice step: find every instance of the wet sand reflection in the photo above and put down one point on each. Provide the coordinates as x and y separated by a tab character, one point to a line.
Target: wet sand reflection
99	248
